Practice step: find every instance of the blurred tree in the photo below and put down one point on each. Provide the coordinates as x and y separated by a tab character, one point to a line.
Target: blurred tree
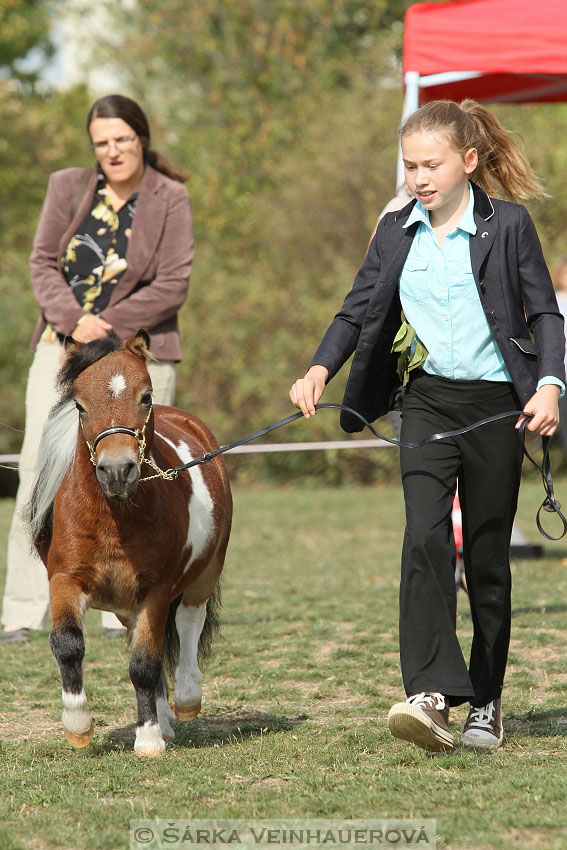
24	26
40	133
286	115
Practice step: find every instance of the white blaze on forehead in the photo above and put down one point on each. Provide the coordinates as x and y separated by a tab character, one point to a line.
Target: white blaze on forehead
117	385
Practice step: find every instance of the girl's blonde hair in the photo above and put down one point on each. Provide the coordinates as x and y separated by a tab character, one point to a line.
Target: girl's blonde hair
503	170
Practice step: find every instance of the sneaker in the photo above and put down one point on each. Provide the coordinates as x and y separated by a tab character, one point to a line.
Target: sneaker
483	727
423	719
15	636
114	633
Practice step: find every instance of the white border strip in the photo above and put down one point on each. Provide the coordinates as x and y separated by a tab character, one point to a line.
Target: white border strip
260	448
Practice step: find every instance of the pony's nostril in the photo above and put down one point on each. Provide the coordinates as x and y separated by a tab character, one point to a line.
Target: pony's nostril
129	472
102	473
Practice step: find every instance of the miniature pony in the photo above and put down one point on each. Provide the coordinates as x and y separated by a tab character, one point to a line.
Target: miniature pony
149	549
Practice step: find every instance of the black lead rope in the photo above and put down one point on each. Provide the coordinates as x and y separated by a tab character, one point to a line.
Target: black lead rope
549	504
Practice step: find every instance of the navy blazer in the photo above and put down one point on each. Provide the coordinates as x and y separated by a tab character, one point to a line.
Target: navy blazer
515	291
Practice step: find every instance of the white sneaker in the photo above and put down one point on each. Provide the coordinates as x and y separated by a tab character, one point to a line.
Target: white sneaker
483	727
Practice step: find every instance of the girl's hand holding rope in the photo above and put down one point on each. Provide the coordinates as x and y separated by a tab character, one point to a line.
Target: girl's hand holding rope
307	391
544	411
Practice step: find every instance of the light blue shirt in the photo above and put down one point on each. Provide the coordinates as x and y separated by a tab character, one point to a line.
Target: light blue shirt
441	302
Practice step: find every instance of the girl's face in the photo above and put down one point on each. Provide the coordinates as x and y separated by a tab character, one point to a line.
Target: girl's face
435	173
118	149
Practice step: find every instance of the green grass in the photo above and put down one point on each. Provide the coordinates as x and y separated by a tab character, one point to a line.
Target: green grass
296	698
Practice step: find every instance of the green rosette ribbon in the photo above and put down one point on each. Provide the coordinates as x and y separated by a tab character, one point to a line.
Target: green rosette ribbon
412	351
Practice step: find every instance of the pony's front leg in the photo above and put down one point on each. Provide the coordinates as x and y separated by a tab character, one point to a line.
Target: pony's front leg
68	605
146	673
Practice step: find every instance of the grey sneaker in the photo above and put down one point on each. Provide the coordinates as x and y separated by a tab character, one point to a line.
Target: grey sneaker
423	719
483	727
15	636
114	633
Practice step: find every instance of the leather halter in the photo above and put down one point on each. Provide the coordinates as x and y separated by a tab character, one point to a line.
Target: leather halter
138	434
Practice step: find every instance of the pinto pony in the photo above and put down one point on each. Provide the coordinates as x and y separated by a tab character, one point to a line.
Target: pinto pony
149	549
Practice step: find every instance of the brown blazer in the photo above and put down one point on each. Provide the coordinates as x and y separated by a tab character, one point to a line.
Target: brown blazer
159	256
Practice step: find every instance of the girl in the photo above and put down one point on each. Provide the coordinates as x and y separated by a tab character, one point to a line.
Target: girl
481	334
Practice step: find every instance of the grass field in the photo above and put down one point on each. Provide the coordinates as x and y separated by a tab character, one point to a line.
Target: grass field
296	698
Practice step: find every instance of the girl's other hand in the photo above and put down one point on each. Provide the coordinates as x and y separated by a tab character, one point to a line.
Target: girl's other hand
543	406
307	391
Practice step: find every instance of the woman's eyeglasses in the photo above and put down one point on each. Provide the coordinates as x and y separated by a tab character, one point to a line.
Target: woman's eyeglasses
122	144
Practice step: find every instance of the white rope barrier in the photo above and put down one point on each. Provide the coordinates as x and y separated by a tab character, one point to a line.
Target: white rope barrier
261	448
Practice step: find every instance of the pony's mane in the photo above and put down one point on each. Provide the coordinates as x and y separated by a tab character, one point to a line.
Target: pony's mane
59	438
84	357
56	453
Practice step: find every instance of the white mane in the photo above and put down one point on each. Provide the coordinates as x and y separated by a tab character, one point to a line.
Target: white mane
56	453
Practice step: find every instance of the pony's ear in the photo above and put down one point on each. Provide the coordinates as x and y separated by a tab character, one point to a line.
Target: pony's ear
71	345
140	345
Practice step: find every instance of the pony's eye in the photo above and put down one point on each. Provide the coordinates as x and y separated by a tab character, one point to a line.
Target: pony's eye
146	399
79	407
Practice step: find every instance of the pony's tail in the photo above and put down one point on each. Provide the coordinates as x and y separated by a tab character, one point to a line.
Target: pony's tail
171	639
211	626
210	629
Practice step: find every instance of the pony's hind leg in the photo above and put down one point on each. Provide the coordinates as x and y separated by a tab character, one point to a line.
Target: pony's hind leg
68	604
164	712
189	620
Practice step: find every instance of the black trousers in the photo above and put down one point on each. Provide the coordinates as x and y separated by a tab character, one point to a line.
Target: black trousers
488	464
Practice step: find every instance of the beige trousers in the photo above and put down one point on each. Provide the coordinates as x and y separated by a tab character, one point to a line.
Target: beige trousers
26	595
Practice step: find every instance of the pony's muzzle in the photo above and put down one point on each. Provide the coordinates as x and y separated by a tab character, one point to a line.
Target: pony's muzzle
118	478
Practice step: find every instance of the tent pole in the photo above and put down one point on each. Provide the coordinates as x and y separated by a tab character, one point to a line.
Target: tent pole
411	103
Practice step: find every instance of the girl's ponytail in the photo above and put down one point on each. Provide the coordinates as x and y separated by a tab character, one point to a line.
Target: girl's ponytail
503	170
501	160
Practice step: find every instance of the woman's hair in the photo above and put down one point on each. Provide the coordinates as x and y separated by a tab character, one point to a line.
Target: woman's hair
503	170
118	106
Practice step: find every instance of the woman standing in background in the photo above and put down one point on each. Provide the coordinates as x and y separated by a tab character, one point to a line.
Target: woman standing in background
112	251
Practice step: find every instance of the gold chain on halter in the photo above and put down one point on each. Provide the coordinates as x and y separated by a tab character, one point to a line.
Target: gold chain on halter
167	475
140	436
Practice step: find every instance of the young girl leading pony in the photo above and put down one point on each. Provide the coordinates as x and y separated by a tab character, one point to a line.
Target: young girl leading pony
457	285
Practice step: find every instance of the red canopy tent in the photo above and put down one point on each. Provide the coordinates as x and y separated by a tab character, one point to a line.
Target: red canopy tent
491	50
497	50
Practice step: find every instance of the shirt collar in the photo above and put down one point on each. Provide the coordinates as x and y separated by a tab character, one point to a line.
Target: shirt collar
466	222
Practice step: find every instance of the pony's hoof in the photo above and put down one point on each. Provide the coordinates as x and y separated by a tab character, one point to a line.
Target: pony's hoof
188	711
82	740
149	753
149	741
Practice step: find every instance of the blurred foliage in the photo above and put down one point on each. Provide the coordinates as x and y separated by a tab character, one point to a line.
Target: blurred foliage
24	26
285	114
39	135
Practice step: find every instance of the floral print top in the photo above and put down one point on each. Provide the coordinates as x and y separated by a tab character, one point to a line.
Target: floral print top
95	258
